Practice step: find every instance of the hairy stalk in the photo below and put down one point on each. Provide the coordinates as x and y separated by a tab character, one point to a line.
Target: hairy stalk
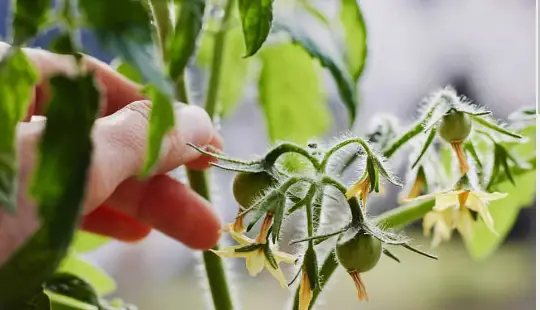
340	145
213	264
394	218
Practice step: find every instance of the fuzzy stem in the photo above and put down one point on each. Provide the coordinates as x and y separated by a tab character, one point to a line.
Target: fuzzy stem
340	145
213	264
284	148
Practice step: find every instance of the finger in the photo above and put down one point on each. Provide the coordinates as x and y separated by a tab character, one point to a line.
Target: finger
120	146
203	162
170	207
113	223
117	90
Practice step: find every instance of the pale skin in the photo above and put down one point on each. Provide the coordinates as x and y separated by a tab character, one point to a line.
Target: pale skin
117	203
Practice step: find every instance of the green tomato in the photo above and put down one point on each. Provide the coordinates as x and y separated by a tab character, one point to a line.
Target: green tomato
455	126
249	186
360	253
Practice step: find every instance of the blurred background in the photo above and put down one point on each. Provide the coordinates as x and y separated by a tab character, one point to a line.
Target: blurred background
484	48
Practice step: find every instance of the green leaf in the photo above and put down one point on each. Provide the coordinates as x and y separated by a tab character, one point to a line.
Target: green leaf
491	124
355	37
314	11
86	242
95	276
61	302
70	285
267	203
290	93
270	257
63	44
337	68
504	212
123	29
234	69
425	147
39	301
256	16
161	122
182	44
311	266
279	210
17	79
58	186
127	71
30	17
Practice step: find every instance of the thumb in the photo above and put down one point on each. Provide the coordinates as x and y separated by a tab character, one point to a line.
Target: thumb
121	139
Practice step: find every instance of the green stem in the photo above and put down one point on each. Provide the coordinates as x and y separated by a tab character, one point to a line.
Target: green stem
340	145
198	181
217	58
160	11
284	148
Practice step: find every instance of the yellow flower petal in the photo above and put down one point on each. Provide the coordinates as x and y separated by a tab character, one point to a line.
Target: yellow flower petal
465	223
445	200
239	237
479	206
489	196
429	221
276	273
284	257
229	252
255	262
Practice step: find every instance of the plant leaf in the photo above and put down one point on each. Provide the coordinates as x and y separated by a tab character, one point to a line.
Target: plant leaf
58	187
290	93
17	79
161	122
311	266
95	276
279	210
256	17
267	203
355	37
123	28
234	69
309	7
127	71
61	302
504	212
494	126
182	44
40	301
426	145
86	242
71	285
337	68
30	17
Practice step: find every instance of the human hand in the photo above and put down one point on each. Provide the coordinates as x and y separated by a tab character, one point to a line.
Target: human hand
117	203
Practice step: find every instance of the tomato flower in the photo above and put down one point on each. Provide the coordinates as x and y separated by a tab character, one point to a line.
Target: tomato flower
257	253
454	210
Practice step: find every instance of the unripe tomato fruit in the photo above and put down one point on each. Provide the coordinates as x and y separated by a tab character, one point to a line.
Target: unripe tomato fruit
455	127
361	253
248	186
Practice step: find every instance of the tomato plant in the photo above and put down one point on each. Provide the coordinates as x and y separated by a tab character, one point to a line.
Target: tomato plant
155	43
